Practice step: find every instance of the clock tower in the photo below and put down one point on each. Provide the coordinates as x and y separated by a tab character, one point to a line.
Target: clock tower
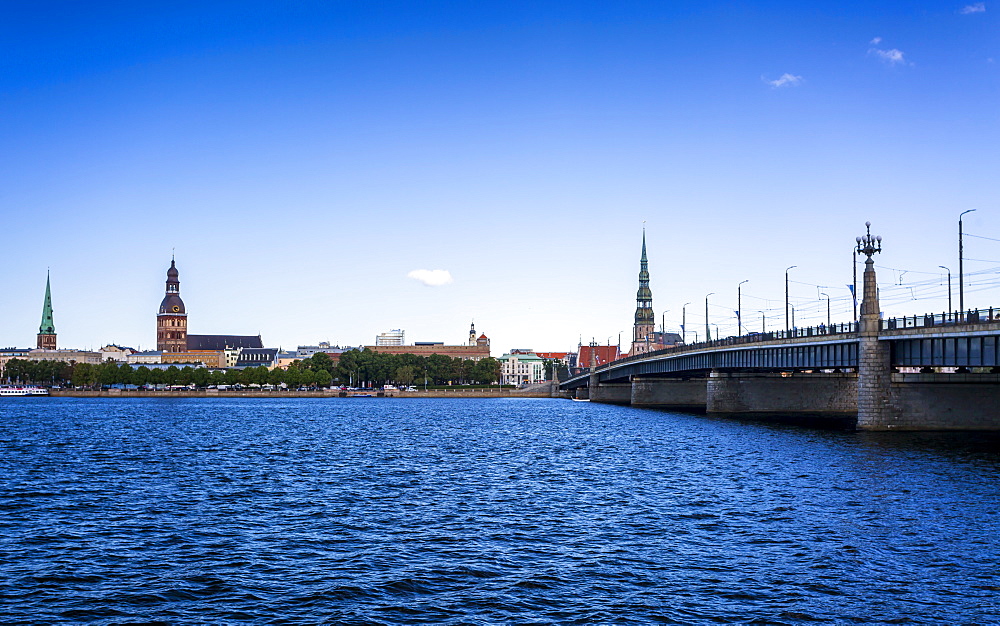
171	321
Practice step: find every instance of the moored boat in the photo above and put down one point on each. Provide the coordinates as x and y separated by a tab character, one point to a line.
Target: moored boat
23	390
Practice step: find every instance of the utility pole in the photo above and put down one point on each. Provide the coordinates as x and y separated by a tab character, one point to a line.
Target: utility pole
854	292
786	295
739	309
949	288
827	309
684	333
961	279
708	331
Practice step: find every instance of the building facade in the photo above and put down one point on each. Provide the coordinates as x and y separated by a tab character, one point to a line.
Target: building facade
67	356
395	337
521	368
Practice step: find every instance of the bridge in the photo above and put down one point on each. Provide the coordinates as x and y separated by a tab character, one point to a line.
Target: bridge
922	372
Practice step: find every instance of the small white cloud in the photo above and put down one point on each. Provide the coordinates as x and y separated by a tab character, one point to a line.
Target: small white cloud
786	80
875	41
978	7
432	278
892	57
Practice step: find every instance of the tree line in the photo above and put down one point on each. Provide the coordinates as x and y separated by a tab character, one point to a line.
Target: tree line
356	368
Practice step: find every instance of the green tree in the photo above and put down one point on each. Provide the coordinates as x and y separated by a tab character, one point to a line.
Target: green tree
200	376
321	361
405	375
323	378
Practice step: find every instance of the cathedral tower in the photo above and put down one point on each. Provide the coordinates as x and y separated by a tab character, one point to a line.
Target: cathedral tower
171	321
47	331
642	334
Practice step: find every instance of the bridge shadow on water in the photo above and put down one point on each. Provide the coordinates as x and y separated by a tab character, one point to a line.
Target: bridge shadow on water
821	421
958	444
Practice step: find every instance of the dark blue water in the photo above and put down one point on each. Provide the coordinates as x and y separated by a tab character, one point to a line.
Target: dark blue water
483	511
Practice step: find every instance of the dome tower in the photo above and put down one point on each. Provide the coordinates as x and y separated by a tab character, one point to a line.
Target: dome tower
171	320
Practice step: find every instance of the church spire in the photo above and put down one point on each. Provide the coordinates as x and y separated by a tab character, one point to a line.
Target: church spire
47	329
642	334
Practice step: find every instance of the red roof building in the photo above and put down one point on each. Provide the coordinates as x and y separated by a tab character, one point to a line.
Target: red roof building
599	354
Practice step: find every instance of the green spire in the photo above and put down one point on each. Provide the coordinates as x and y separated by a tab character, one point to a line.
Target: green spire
48	327
644	297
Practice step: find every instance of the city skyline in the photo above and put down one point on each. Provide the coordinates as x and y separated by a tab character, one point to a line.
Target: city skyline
306	163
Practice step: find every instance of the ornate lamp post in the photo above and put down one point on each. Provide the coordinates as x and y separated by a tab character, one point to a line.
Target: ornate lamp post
786	295
868	245
961	281
949	288
739	309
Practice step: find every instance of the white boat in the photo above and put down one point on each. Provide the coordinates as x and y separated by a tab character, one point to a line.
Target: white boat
23	390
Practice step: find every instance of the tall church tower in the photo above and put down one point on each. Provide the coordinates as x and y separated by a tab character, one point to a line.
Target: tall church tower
472	334
47	330
171	321
645	320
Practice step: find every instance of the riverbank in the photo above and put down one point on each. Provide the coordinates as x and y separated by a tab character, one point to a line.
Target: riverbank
320	393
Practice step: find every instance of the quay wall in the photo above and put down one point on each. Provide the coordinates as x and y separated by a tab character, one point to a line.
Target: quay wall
471	394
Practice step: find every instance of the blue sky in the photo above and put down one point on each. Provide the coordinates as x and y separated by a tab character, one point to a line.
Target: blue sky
304	160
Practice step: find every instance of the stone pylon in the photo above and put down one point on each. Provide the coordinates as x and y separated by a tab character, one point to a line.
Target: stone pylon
874	365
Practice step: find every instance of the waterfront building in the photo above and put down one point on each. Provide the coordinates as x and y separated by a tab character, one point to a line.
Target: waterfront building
255	357
594	355
149	357
6	354
395	337
561	358
112	352
47	330
209	358
223	342
472	351
67	356
519	368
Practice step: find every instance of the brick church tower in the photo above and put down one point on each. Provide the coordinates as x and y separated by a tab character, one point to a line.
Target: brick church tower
47	330
171	321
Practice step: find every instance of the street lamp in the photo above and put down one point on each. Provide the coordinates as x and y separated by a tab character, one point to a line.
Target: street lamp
786	295
961	282
827	309
949	287
684	334
708	331
739	309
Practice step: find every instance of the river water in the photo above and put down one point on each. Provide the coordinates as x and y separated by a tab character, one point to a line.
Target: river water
388	511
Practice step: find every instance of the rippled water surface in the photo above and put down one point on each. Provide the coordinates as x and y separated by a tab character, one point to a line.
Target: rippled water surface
483	511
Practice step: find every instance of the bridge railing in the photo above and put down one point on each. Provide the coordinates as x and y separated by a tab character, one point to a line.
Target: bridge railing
749	338
927	320
976	316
